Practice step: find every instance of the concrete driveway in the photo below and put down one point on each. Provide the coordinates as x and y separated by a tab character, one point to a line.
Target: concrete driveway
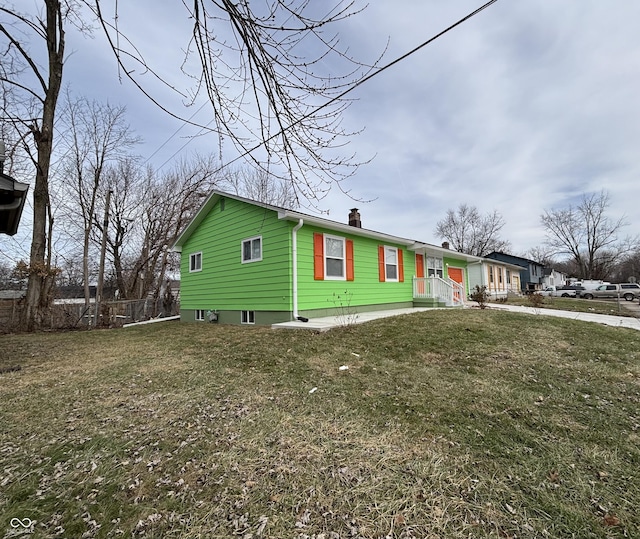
609	320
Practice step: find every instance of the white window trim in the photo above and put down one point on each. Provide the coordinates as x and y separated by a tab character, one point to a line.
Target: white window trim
437	268
249	316
199	315
191	257
328	277
397	265
242	250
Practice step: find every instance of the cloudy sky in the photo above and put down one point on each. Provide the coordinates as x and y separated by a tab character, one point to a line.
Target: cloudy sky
523	108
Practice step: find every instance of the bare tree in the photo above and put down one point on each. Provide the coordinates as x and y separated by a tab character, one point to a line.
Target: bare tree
96	134
628	269
41	87
588	236
467	231
293	98
257	184
274	77
148	212
541	254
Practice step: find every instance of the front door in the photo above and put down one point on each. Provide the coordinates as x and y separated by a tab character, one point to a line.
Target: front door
456	274
515	283
420	274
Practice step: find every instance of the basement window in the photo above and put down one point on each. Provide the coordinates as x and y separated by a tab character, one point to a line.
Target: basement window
200	315
248	317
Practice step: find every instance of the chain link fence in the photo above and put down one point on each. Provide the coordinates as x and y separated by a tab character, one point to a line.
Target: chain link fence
71	314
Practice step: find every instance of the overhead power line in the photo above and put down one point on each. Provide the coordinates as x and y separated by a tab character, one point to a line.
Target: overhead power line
352	88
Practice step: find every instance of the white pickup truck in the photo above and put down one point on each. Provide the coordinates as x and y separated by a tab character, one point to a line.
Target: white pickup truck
562	291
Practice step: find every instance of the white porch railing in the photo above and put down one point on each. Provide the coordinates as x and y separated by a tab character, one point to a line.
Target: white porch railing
448	291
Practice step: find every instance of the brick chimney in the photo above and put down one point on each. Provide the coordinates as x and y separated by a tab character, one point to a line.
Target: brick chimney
354	218
445	245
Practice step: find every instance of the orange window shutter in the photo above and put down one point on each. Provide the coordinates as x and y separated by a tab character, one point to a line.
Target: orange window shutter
400	267
318	257
350	267
419	265
381	272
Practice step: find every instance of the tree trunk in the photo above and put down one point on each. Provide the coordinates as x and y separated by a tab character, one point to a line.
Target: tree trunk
40	274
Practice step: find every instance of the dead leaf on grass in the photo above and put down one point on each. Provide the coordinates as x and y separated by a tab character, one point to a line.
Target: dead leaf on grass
611	520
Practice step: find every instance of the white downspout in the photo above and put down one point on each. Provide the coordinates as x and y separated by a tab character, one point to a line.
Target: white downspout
294	251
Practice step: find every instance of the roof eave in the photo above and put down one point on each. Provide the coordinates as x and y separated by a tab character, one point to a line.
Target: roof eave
291	215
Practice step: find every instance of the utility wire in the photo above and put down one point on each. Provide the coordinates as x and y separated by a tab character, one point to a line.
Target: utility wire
356	85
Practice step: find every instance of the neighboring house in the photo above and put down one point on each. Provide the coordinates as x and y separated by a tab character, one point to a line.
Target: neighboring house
552	277
500	278
531	274
247	262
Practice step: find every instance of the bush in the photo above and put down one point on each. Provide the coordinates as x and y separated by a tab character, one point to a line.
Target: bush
480	296
536	300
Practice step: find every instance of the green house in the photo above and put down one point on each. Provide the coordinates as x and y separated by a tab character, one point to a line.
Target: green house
246	262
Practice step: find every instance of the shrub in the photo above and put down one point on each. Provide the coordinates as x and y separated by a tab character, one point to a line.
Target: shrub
536	300
480	296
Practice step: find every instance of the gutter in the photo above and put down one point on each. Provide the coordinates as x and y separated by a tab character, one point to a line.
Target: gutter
294	252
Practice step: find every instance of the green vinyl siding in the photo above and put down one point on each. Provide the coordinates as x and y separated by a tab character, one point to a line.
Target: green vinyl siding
225	283
365	289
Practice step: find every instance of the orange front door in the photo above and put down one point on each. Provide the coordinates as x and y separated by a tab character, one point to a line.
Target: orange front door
455	274
420	273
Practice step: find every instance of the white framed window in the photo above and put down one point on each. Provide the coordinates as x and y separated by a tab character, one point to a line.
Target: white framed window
200	315
334	257
435	267
195	262
390	263
247	317
252	249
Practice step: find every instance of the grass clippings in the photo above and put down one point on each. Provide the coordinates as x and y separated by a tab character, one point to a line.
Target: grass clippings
446	424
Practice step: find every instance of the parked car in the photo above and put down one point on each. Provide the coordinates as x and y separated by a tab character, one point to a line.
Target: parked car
568	291
628	291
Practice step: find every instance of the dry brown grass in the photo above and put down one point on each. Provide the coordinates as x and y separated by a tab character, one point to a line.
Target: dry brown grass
465	424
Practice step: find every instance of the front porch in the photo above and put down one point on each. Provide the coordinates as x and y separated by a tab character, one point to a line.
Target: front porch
437	292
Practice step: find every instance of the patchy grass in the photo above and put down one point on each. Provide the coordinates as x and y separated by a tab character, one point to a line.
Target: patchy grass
446	424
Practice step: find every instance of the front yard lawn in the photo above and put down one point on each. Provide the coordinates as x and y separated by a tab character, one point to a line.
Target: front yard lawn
446	423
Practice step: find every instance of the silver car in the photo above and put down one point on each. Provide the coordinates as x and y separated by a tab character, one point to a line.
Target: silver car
628	291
